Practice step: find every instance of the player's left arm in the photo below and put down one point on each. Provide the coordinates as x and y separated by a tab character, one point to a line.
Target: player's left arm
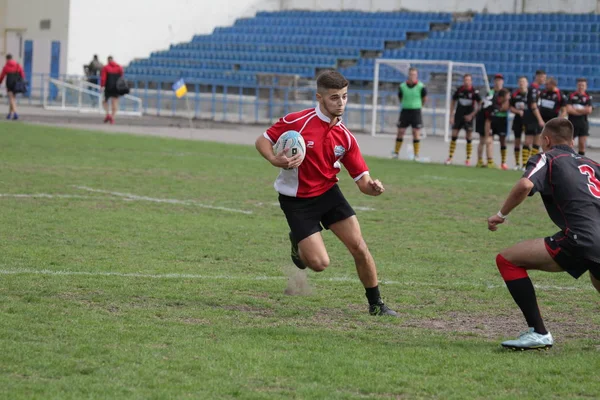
358	170
589	106
424	95
563	106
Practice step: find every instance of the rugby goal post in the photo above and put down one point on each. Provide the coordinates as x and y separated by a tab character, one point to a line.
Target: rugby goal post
441	78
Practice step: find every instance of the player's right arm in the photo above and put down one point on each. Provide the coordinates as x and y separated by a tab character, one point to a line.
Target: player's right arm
534	108
265	148
2	75
533	181
513	107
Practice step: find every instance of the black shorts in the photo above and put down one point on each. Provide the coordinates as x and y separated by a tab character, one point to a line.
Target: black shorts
306	216
566	256
581	129
518	128
411	118
532	129
110	93
499	126
460	123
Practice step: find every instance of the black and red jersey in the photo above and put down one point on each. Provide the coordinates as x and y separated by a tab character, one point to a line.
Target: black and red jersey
579	101
518	100
570	188
550	103
533	93
466	98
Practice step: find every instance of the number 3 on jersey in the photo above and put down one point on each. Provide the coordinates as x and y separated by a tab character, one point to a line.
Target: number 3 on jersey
593	182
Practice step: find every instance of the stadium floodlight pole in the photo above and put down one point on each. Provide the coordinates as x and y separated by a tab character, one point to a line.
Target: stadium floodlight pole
375	96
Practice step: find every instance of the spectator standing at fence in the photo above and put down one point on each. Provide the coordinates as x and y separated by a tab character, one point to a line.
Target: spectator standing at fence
93	69
13	72
109	77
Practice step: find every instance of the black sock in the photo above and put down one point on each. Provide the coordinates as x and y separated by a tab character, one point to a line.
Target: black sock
523	293
373	295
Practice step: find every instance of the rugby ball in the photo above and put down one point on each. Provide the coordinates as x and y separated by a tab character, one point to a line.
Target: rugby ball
293	142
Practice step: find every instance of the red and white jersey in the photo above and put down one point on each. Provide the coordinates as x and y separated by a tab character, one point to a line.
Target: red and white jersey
326	148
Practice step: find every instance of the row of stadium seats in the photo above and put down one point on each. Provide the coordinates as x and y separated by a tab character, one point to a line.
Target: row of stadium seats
196	56
334	22
339	52
513	47
562	18
405	16
187	73
359	43
539	37
390	34
589	27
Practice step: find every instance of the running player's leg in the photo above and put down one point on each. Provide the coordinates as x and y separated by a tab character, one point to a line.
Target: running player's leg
313	253
348	231
12	103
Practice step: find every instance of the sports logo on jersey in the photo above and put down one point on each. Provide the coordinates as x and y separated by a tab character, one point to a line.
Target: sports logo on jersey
339	151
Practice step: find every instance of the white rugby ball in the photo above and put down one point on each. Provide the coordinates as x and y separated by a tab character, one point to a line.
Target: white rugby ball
293	142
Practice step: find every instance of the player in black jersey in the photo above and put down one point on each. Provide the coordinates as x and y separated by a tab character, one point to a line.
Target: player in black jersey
466	99
552	101
532	118
579	106
496	124
518	105
480	124
569	186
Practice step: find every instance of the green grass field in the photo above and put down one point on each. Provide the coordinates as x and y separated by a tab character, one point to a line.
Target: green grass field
148	268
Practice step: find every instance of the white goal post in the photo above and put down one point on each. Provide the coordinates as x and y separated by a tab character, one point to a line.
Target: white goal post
441	78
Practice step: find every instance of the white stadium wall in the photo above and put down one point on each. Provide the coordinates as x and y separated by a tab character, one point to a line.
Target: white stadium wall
490	6
135	28
39	22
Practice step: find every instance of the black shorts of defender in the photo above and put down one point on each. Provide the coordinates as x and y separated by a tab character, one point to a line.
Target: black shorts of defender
461	124
412	118
581	129
110	93
517	129
566	255
307	216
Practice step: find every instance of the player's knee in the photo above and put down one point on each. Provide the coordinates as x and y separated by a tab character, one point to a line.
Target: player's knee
358	248
318	264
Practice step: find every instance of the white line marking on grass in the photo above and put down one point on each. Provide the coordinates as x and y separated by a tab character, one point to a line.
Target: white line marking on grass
463	180
134	197
45	196
476	285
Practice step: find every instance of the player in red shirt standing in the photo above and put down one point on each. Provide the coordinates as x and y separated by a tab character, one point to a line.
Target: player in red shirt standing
12	71
109	76
308	192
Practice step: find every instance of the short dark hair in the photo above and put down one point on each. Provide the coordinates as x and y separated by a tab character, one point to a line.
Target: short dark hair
412	69
503	93
540	72
560	129
522	77
110	58
552	80
331	80
469	75
581	80
8	57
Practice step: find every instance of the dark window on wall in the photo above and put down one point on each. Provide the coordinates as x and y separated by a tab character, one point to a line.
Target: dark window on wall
45	24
